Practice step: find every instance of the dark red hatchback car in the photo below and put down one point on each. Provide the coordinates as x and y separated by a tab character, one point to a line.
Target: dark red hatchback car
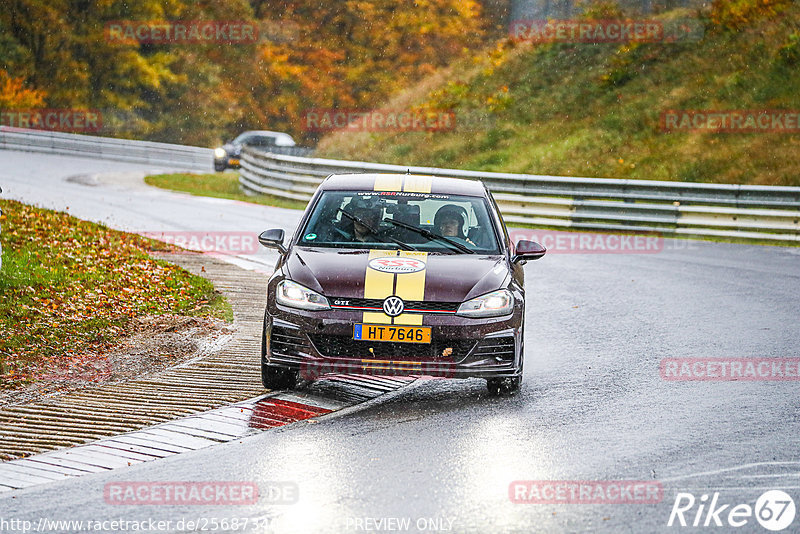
394	274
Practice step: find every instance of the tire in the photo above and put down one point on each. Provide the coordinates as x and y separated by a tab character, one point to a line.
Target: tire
507	386
219	166
494	386
274	377
503	386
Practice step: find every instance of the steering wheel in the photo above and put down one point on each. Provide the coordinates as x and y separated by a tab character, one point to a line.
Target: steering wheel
341	232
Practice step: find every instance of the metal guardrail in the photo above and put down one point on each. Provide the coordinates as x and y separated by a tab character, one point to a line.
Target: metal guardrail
767	213
292	151
692	209
185	157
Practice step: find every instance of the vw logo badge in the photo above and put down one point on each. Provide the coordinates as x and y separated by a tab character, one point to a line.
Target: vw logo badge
393	306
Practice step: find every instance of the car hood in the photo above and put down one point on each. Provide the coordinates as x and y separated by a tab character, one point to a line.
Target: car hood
232	149
442	278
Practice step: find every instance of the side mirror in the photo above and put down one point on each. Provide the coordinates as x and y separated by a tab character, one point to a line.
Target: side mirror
528	250
272	239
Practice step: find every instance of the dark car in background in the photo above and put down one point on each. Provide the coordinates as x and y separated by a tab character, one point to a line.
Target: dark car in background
229	154
397	275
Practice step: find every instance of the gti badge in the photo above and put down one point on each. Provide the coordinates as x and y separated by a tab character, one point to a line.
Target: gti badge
393	306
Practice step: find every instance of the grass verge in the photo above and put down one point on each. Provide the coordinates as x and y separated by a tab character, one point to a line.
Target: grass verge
218	185
67	288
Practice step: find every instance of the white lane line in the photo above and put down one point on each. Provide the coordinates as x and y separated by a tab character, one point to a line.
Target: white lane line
717	488
728	470
773	475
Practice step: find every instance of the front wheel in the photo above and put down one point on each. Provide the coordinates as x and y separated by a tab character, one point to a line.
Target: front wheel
277	377
219	166
504	386
274	377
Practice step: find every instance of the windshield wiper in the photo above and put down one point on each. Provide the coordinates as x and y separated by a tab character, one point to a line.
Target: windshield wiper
374	232
430	235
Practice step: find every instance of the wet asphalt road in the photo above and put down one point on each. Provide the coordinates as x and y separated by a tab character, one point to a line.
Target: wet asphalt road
122	201
442	453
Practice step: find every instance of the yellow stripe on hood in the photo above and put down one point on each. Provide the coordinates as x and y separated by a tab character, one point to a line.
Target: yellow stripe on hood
411	286
408	286
378	285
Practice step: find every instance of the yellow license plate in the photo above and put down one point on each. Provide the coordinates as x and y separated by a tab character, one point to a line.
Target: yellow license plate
386	332
233	162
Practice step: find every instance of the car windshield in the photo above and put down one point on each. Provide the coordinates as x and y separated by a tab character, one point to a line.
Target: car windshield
451	224
254	140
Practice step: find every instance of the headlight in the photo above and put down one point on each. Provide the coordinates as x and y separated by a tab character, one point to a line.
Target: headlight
494	304
296	296
220	153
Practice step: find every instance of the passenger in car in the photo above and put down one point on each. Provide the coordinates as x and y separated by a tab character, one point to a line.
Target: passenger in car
450	221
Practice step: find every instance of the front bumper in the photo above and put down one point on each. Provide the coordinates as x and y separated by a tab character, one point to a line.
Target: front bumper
227	163
319	343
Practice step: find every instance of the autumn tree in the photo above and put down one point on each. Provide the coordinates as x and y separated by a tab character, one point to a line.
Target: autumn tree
312	54
15	95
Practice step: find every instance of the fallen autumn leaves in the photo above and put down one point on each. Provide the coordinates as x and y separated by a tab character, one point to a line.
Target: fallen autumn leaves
69	287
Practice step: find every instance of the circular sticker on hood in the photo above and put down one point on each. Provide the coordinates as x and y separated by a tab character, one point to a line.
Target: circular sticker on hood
397	265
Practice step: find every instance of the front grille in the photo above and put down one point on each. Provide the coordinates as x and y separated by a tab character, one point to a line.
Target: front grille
450	307
497	347
411	305
345	347
287	342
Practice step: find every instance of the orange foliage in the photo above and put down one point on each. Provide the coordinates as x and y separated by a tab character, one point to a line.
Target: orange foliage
14	94
310	54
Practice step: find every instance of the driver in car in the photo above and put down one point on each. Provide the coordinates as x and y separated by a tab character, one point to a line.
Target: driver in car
369	214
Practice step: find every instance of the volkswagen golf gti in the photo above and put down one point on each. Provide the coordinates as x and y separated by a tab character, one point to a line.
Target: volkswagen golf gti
391	274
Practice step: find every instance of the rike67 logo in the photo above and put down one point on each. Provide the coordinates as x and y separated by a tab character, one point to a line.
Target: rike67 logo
774	510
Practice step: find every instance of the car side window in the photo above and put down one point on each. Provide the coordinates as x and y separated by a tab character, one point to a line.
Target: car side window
504	237
266	141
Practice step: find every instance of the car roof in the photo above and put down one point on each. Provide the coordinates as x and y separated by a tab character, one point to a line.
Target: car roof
415	183
268	133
